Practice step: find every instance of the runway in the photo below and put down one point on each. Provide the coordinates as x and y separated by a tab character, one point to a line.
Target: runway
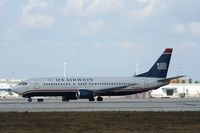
109	104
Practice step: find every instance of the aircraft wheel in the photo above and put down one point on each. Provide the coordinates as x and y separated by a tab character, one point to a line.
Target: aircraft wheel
29	99
40	99
91	99
99	98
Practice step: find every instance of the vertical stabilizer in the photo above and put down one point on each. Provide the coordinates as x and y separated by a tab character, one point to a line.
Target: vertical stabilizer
160	68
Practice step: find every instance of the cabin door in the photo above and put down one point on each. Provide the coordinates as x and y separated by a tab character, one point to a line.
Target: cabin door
36	84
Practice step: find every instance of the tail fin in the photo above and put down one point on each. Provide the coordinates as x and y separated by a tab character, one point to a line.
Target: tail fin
160	68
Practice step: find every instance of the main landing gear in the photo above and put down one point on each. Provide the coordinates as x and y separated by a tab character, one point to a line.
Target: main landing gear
99	98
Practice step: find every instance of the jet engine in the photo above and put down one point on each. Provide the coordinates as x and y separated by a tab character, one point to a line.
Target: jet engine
85	94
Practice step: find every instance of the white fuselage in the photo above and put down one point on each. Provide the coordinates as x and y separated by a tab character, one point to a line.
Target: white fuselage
127	85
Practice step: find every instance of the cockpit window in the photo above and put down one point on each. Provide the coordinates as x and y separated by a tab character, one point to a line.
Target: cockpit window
23	83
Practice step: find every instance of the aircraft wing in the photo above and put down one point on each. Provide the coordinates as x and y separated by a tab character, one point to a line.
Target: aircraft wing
169	79
100	91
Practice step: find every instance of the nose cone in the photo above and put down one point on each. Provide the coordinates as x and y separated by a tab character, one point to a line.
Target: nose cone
17	89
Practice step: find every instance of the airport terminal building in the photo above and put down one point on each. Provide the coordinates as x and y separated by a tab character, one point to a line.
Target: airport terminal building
5	87
182	88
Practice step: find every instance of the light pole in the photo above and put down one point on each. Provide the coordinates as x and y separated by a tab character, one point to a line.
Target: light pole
137	67
64	69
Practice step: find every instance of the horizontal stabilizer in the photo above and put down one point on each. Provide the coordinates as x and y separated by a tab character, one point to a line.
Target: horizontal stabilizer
169	79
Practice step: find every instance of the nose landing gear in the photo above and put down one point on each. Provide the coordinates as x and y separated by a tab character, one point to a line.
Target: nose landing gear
38	100
29	99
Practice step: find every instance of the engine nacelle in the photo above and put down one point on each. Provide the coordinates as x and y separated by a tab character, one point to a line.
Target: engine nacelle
86	94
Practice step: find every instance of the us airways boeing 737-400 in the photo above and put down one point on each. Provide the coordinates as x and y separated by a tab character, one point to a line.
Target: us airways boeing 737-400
72	88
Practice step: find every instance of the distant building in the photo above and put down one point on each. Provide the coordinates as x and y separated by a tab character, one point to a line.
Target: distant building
5	87
178	88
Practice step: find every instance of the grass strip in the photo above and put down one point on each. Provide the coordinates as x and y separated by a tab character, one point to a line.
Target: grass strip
100	122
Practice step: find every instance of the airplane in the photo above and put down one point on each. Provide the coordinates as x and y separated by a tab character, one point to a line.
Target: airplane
73	88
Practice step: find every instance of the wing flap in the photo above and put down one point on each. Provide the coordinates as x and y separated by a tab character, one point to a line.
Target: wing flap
100	91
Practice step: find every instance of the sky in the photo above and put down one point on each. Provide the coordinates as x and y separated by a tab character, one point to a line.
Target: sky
97	37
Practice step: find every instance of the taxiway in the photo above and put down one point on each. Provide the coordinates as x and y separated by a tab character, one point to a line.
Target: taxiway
109	104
